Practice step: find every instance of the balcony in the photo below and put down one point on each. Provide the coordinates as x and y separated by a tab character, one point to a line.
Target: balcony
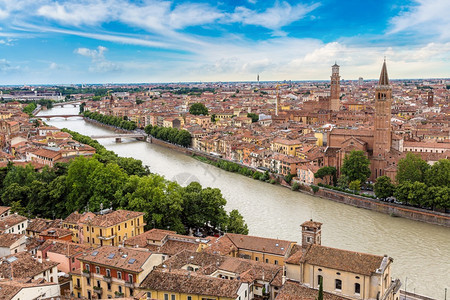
129	284
98	290
107	279
86	274
77	287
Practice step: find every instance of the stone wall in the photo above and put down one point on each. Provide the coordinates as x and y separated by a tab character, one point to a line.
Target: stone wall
392	209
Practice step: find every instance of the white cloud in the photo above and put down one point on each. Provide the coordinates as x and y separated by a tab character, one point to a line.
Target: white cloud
429	17
99	63
274	17
5	66
7	42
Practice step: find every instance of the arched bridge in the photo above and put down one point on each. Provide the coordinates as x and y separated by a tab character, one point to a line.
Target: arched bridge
120	136
74	103
48	117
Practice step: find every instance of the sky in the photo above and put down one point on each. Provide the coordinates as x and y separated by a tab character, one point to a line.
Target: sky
127	41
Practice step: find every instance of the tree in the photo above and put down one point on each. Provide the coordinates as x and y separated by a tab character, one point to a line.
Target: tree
327	171
411	168
384	187
236	223
254	117
320	295
288	178
356	166
198	109
213	118
438	174
355	185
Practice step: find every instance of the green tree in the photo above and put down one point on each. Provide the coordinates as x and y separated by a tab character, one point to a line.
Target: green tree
254	117
438	174
236	223
355	185
320	294
384	187
411	168
356	166
198	109
327	171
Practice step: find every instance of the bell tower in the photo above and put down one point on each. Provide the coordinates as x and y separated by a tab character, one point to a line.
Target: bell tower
335	92
430	98
382	122
311	233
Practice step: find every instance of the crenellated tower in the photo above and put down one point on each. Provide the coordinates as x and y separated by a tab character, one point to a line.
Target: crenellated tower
335	92
383	103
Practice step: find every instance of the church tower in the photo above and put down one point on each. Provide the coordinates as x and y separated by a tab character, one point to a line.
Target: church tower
383	103
311	233
335	88
430	98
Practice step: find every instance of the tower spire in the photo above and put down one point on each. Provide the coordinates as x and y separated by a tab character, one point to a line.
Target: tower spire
384	79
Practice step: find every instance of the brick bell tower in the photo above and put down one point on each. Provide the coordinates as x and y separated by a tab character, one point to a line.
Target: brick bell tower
335	92
383	103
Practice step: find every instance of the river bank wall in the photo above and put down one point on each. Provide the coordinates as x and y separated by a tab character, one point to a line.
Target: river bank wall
391	209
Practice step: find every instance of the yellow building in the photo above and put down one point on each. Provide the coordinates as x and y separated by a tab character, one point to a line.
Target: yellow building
163	284
74	222
344	273
112	227
285	146
112	272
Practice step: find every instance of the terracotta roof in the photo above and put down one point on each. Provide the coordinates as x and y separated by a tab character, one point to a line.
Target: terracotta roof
4	209
7	239
354	262
113	218
295	291
182	281
24	266
260	244
172	247
118	257
11	220
311	224
56	232
38	225
76	217
152	235
63	247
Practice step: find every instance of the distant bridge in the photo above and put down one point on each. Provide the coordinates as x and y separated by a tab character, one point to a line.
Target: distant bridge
120	136
74	103
48	117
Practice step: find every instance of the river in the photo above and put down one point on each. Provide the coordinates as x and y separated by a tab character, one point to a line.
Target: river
421	251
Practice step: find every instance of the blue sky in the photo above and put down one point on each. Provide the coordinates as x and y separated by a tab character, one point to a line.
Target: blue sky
112	41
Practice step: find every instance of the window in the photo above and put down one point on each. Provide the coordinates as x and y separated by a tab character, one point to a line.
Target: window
257	258
108	285
276	262
357	288
132	225
119	228
88	239
97	270
338	284
78	282
98	283
120	289
149	295
319	279
87	267
172	297
267	260
87	228
88	281
125	225
119	275
189	297
166	296
108	273
130	278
